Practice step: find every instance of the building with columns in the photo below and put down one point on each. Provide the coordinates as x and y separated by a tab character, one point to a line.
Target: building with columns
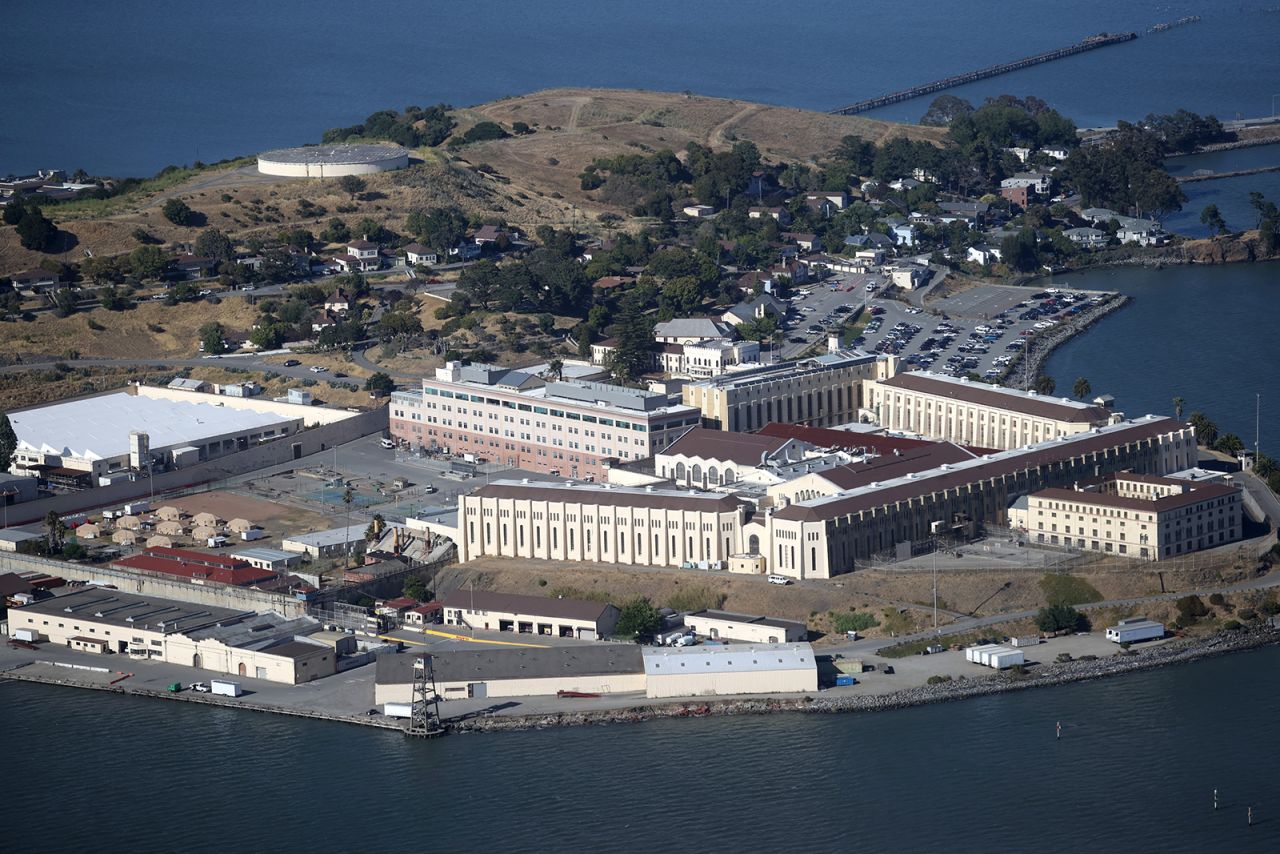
976	413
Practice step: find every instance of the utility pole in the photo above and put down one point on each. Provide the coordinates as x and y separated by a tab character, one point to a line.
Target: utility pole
1257	426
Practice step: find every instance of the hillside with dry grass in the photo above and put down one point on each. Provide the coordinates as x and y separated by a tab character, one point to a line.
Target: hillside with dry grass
527	180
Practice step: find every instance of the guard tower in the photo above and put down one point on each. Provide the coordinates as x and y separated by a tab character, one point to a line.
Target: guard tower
424	719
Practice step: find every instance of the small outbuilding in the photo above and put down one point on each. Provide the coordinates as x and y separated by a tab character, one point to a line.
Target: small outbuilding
159	541
88	531
205	520
169	513
124	538
723	625
201	534
129	523
170	529
239	526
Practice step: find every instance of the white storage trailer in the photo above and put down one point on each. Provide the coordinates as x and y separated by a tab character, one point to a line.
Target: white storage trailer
974	653
1006	658
28	635
1026	640
225	687
397	710
1135	629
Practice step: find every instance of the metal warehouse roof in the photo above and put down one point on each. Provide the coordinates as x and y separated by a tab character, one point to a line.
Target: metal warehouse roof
754	658
487	664
98	428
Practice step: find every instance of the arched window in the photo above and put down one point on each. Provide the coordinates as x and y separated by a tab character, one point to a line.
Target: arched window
679	471
753	545
729	476
695	474
713	475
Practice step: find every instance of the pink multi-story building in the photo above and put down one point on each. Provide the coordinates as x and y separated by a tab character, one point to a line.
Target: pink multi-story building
516	418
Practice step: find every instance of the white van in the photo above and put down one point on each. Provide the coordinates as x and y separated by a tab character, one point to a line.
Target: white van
388	443
779	579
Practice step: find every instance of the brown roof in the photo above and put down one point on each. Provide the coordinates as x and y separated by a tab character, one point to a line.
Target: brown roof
11	584
418	249
1087	443
983	395
847	440
889	466
747	449
616	497
362	244
294	649
512	603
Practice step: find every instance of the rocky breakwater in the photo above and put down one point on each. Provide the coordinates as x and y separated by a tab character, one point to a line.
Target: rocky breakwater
1046	342
1041	676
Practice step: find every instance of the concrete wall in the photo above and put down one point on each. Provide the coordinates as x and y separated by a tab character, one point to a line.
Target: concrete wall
159	586
310	441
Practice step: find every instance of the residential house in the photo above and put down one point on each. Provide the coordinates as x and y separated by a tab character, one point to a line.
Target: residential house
798	273
1021	153
874	240
31	282
902	185
806	242
361	256
492	234
1089	238
415	254
1056	153
189	267
338	302
698	211
908	277
904	234
973	213
1020	196
1037	182
465	251
691	330
760	307
983	254
780	214
608	283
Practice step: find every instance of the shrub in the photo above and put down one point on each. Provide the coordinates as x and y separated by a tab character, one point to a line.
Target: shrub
178	212
1232	625
1055	618
1190	609
1248	614
1217	599
94	325
542	582
856	621
937	680
1068	590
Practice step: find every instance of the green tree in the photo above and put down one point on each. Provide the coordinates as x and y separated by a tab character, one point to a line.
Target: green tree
1045	384
211	336
178	212
1206	430
65	302
380	382
8	443
352	185
555	369
1056	618
1177	407
36	231
440	228
1212	217
1081	388
1190	609
944	109
148	262
483	131
13	211
54	530
416	588
1019	251
638	619
212	243
633	331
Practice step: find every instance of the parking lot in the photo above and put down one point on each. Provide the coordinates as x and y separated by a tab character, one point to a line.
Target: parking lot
820	309
980	331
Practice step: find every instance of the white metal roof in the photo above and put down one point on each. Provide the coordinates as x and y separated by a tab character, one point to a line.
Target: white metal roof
739	658
98	428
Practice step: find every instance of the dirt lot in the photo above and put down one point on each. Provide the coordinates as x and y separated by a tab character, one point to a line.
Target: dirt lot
276	518
150	330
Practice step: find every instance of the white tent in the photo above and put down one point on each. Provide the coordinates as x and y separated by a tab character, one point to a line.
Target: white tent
129	523
169	513
205	520
89	531
240	525
159	542
170	529
124	538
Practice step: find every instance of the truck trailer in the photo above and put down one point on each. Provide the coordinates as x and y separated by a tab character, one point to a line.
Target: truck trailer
1135	629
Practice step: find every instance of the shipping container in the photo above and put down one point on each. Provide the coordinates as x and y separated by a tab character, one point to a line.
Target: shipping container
225	687
1026	640
974	653
253	534
1135	629
134	508
849	665
1006	658
397	710
845	680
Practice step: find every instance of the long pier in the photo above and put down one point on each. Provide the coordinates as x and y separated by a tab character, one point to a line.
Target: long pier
1091	43
1214	176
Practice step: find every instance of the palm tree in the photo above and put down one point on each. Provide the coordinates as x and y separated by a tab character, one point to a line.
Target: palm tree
555	369
347	497
54	529
1081	388
1177	407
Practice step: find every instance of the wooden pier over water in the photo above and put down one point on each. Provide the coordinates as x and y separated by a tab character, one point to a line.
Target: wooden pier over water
1091	43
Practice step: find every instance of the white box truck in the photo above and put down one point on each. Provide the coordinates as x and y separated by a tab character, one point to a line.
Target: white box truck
27	635
1135	629
225	687
135	508
397	710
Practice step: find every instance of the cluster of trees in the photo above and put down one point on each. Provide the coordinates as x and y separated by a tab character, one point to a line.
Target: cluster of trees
483	131
1061	617
35	230
549	279
1125	172
412	128
1268	223
440	228
1208	435
1184	131
649	184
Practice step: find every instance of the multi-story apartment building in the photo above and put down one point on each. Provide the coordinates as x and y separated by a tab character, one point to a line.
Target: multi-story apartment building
1141	516
607	524
821	392
566	428
977	414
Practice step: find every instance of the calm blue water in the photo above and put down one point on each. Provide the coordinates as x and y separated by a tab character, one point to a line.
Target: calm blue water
1134	771
1231	195
127	88
1201	333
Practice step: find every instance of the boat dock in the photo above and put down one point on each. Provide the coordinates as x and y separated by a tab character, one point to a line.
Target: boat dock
1091	43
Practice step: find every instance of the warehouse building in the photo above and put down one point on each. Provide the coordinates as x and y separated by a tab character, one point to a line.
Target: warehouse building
530	615
93	439
588	522
718	671
822	391
196	567
976	413
723	625
332	542
1142	516
497	673
273	560
243	643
